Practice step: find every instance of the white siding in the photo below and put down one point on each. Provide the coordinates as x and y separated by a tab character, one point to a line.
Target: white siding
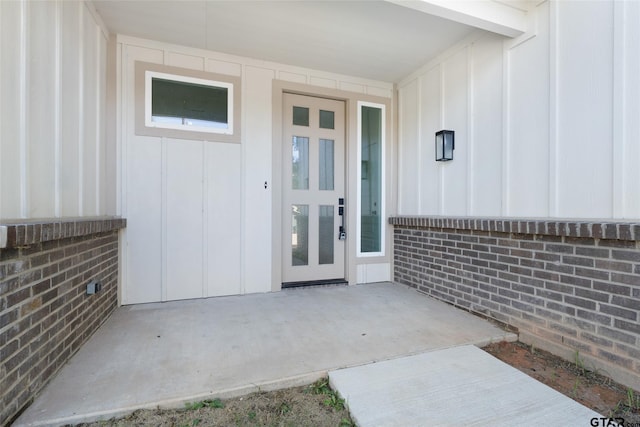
52	91
198	214
257	163
430	119
486	105
527	148
546	124
408	146
584	79
455	116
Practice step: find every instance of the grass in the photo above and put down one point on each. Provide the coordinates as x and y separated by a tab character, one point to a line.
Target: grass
332	399
579	362
633	400
281	411
213	403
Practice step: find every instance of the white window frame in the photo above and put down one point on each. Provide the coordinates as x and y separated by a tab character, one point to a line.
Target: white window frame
150	75
383	204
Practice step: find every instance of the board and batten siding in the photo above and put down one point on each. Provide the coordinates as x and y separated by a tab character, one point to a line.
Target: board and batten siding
546	124
199	218
54	157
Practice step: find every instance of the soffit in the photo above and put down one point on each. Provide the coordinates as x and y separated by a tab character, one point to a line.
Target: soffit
372	39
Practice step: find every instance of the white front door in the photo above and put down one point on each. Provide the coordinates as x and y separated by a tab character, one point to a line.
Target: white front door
313	187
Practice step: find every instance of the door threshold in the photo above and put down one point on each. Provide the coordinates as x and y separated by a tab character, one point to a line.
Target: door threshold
330	282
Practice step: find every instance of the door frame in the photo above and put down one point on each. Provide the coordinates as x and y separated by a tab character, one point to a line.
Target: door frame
350	99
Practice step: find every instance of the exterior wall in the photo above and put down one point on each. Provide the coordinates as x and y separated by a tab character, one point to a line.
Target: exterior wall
198	212
54	156
569	287
546	124
45	315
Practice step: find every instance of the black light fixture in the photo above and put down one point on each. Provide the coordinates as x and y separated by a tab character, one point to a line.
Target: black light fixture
445	143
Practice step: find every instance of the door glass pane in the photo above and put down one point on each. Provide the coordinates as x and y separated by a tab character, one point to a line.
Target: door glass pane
300	116
326	234
327	119
300	235
300	165
326	164
371	180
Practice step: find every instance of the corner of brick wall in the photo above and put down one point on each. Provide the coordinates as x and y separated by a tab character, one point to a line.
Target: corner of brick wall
568	286
45	314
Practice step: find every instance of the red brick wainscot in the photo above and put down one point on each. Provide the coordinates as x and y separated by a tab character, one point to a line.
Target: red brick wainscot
569	287
45	312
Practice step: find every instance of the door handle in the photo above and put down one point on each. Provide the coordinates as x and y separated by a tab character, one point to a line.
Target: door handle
342	232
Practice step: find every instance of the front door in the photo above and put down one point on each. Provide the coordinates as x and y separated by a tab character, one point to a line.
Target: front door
313	187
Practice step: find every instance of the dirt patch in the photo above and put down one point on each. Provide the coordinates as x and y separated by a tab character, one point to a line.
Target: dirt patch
309	406
318	405
573	379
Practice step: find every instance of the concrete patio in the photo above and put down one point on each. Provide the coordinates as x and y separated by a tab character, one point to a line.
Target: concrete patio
169	353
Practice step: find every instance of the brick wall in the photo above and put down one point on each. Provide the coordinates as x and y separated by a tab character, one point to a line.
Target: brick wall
45	314
569	287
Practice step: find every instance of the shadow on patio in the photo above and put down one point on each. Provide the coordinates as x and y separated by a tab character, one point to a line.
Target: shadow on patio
166	354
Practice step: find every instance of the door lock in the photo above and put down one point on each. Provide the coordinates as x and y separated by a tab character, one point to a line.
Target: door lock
342	233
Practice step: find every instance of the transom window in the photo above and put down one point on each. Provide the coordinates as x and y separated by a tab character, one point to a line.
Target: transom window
187	103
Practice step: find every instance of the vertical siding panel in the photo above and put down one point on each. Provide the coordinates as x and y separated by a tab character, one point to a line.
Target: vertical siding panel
256	146
527	118
22	108
11	104
631	148
81	109
455	117
486	183
90	122
101	131
585	85
41	110
430	117
224	201
70	115
111	133
408	171
618	183
142	192
57	108
1	109
184	219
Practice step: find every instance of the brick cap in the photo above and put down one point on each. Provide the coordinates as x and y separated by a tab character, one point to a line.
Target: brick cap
20	233
597	229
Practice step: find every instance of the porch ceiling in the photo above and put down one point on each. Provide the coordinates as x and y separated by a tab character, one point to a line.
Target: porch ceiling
373	39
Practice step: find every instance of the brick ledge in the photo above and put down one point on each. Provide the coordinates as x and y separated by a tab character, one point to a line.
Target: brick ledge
596	229
21	233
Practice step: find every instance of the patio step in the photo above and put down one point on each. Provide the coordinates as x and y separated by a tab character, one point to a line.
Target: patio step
455	386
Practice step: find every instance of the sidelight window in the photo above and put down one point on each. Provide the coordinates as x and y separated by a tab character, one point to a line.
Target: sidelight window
371	119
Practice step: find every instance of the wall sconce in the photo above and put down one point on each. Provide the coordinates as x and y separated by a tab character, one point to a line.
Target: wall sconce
445	144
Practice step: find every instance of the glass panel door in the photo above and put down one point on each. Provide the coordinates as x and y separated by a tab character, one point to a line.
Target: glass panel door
313	170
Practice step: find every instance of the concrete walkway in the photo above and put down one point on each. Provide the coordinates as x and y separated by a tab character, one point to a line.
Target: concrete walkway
460	386
166	354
